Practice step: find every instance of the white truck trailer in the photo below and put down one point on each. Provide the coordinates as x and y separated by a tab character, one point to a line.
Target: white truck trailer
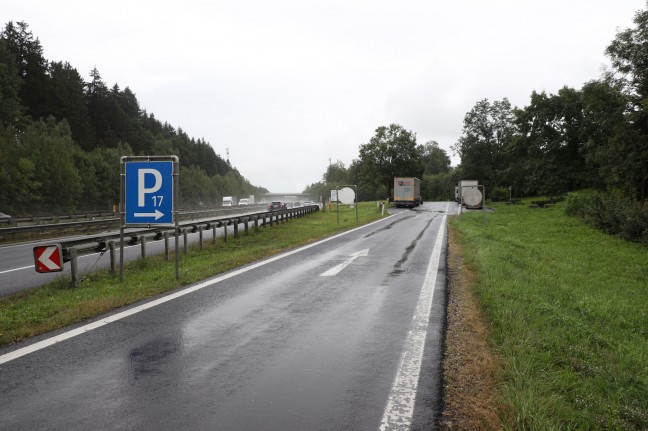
407	192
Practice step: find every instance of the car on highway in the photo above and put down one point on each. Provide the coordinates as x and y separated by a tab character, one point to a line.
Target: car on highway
244	202
4	216
277	206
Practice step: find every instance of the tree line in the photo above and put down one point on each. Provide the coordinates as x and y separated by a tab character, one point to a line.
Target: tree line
391	152
593	138
62	137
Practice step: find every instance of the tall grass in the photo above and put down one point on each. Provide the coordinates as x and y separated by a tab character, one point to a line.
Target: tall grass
569	312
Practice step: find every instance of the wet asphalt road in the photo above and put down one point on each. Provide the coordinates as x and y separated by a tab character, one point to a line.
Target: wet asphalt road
274	346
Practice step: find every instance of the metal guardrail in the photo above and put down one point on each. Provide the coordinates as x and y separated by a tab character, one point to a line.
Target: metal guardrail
38	225
15	221
102	243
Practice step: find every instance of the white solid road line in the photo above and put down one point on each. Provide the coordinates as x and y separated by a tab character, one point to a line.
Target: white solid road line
16	269
400	404
118	316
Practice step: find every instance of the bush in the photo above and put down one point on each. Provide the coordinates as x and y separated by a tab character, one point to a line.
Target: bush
499	194
613	212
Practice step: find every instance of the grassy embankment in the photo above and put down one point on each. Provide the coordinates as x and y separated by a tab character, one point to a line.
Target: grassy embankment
57	304
568	313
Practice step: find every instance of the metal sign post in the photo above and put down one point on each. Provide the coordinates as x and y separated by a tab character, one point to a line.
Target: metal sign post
148	186
483	201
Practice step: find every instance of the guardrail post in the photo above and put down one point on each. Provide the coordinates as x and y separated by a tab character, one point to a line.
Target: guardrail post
143	245
113	257
200	237
186	243
246	225
256	223
225	223
270	219
167	254
236	223
74	269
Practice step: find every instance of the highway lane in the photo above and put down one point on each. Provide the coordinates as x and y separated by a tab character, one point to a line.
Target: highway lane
17	271
333	336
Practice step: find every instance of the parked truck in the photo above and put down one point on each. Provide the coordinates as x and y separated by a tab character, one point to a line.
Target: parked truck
407	192
467	194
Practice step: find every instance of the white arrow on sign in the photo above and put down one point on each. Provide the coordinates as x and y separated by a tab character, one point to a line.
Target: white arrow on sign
157	214
45	260
336	269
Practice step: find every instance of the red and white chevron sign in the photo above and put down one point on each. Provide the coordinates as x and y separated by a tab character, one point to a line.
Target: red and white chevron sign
48	258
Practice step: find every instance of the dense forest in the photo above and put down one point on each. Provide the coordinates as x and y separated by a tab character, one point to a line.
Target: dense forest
594	138
62	137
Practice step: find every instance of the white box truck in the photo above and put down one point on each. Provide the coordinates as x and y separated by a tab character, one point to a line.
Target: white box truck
407	192
229	201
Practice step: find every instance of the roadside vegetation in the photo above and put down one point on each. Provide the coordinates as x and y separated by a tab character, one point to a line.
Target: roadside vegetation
566	308
58	304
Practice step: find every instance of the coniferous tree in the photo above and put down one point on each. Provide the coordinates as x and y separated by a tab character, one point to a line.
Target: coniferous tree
68	90
12	111
35	92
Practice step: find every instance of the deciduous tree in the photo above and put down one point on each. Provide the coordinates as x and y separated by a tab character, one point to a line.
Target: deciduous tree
391	152
487	131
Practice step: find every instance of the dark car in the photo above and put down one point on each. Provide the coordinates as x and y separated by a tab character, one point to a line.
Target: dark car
276	206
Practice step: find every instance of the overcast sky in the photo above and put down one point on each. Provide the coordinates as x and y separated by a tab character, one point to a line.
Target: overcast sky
289	85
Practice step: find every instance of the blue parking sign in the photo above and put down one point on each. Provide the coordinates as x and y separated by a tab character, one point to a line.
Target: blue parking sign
149	192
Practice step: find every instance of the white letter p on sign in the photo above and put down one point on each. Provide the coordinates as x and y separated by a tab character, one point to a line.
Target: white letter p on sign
141	189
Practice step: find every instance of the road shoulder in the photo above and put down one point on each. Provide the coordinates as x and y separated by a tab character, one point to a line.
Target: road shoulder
471	399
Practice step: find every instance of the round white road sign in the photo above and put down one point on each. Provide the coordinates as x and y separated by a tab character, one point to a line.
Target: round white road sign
472	196
346	195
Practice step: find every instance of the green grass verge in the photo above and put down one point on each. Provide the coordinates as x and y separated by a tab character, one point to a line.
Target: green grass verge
569	312
58	304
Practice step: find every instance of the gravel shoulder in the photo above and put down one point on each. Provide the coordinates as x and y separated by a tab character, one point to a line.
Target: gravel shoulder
471	397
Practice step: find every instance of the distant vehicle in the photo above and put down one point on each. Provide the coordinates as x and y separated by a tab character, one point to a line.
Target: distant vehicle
407	192
307	203
228	201
244	202
277	206
297	204
4	216
468	189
